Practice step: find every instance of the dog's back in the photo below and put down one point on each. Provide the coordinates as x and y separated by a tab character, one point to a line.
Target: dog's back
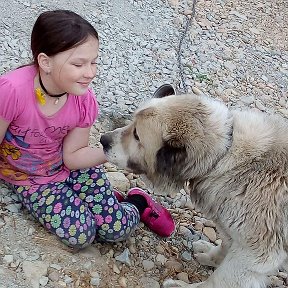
247	190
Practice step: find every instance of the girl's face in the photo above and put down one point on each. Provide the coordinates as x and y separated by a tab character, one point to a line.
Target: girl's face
73	70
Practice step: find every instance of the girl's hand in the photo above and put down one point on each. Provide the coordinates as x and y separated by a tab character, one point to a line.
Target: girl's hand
3	128
76	152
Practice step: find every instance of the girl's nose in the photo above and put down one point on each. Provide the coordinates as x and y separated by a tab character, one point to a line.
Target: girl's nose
90	71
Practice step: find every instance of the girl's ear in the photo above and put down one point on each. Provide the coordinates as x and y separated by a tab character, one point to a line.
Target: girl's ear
44	62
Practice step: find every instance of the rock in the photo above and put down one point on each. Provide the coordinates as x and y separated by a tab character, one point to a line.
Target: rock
116	269
8	259
124	257
183	277
119	181
173	3
174	265
160	259
54	276
148	282
122	282
15	208
210	233
95	279
34	271
43	281
186	256
148	265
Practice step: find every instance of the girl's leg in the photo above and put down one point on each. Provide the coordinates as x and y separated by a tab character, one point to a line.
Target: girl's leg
60	210
115	221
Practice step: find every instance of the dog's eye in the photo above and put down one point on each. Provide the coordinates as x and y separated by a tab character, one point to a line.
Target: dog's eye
135	134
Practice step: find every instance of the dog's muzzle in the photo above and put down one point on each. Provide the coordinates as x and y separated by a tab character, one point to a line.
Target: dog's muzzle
106	141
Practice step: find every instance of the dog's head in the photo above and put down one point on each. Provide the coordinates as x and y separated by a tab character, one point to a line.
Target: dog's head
168	140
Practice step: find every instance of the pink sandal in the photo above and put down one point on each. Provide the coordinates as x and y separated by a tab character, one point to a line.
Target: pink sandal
155	216
119	196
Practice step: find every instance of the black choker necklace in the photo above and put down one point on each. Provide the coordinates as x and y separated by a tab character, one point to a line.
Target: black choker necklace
44	89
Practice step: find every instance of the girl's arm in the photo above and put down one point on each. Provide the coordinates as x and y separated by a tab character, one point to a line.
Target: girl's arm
3	128
76	152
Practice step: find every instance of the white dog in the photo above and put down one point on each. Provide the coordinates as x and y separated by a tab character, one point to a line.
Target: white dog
235	165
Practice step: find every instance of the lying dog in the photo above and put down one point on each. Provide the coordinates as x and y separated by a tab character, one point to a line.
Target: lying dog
234	165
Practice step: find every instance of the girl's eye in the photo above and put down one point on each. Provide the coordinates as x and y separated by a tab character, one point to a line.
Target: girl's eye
135	134
77	65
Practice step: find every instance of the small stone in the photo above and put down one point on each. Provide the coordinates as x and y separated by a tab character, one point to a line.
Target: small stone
210	233
174	265
188	12
132	249
122	282
8	259
118	180
31	231
68	279
54	276
183	277
124	257
43	281
2	224
196	90
116	269
95	279
283	275
199	226
56	266
148	282
275	281
160	249
148	265
186	256
160	259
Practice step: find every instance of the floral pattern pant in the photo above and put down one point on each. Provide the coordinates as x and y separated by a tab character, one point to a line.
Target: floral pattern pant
80	209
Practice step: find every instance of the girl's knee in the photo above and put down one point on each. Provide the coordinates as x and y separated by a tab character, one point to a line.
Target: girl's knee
114	236
80	240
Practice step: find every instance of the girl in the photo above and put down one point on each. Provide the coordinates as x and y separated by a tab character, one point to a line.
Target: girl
46	112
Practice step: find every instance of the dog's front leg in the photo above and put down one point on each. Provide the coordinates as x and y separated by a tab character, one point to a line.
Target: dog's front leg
170	283
209	254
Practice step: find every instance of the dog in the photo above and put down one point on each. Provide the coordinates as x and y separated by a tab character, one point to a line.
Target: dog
233	163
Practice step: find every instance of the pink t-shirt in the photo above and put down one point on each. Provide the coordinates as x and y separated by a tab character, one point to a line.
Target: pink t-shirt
32	149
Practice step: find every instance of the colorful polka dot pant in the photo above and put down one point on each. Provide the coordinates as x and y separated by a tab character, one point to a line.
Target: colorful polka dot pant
81	209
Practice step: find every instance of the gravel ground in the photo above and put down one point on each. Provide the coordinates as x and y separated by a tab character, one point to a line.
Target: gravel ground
235	50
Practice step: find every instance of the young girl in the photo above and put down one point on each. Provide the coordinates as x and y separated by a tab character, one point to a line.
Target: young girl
46	112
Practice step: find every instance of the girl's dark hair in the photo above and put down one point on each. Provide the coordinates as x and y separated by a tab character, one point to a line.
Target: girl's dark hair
57	31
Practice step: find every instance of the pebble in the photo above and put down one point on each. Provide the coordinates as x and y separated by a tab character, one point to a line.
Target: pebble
183	277
43	281
54	276
123	282
174	265
148	265
186	256
148	282
124	257
95	279
210	233
8	259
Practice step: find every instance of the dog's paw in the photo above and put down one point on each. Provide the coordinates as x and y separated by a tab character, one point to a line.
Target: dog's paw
170	283
202	246
206	253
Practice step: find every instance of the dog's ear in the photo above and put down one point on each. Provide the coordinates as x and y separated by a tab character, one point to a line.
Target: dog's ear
164	90
170	158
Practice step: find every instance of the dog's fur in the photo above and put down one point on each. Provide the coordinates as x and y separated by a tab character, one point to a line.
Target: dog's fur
234	165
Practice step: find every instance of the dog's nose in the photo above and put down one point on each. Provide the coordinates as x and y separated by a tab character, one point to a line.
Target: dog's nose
106	141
